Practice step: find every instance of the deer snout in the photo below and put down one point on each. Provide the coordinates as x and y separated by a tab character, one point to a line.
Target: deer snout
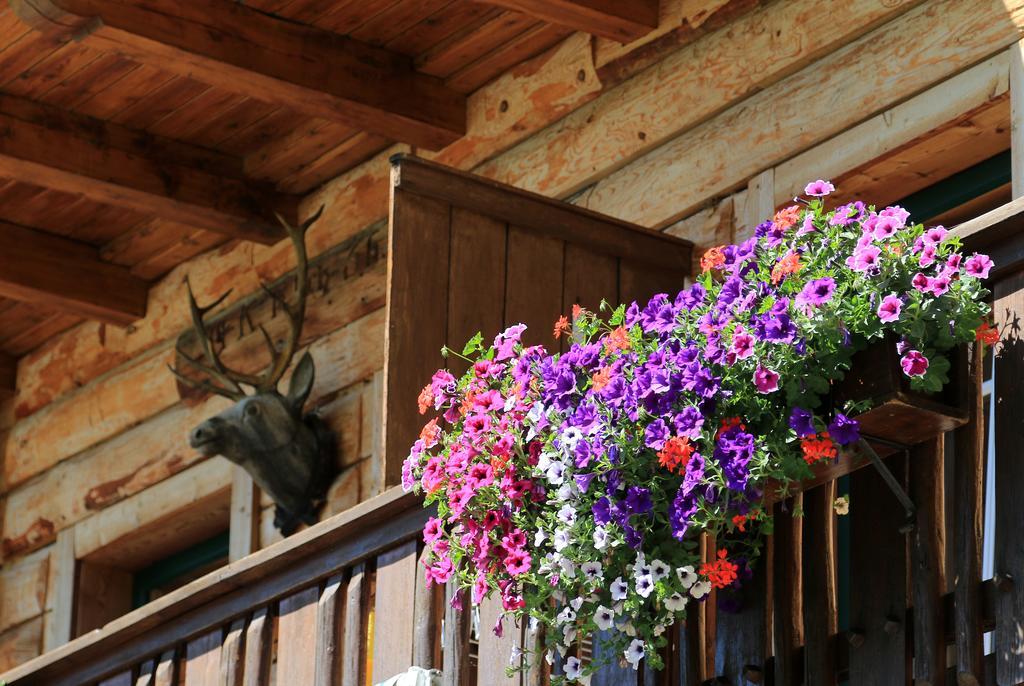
206	436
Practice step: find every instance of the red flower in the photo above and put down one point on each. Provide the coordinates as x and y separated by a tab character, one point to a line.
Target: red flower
713	259
818	447
676	454
721	572
425	399
987	334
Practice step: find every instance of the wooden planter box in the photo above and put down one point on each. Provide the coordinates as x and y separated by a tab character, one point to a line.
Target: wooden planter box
899	417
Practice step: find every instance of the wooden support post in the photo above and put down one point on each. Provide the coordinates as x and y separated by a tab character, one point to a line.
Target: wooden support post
1008	408
60	591
328	632
232	653
1017	118
426	648
760	204
353	653
787	586
819	585
742	632
927	547
243	536
456	642
969	481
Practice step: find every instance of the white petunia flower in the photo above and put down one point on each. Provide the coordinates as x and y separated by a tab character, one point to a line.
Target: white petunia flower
700	589
627	628
619	589
842	505
567	514
568	567
543	462
566	615
570	439
539	537
573	668
561	539
568	635
592	570
687	577
576	604
549	657
567	491
604	618
516	654
660	570
675	602
600	538
555	472
635	652
644	585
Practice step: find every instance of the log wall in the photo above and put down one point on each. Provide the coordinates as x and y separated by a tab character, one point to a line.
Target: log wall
700	129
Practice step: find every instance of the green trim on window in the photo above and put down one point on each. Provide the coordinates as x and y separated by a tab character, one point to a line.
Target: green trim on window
173	566
959	188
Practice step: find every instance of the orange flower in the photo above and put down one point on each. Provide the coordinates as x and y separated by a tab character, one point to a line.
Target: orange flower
787	217
676	454
577	310
790	264
728	423
430	433
425	399
618	339
713	259
818	447
561	326
602	378
987	334
721	572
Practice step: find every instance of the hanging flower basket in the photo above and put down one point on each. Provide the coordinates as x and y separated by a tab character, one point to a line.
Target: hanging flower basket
576	485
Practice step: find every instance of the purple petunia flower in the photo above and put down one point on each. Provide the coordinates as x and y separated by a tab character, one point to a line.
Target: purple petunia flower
844	430
816	292
802	422
978	266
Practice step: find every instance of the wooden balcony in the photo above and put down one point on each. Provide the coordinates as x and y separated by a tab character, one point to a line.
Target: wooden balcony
344	602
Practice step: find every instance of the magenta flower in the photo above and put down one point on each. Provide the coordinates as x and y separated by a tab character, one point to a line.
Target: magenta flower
864	259
939	285
816	292
978	266
885	226
807	226
921	282
889	309
934	235
927	257
742	344
819	188
914	363
766	380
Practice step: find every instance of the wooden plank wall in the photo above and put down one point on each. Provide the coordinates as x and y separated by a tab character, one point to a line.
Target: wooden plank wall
609	148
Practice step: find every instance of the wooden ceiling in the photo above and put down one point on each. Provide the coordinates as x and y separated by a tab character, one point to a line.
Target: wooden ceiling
136	134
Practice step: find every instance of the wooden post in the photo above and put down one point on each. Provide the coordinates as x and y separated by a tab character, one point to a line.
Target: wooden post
927	546
787	586
60	591
1009	472
819	585
969	480
760	200
456	642
244	524
1017	118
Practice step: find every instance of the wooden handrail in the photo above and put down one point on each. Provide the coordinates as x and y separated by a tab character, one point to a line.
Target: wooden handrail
297	562
1000	233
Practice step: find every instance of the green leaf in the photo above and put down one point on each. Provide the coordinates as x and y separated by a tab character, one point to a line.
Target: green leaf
475	344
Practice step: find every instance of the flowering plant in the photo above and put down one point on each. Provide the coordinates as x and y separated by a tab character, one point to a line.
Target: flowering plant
576	485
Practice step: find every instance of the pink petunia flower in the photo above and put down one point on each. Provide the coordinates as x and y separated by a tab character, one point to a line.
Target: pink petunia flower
978	265
864	259
889	309
914	363
766	380
927	256
921	282
819	188
934	235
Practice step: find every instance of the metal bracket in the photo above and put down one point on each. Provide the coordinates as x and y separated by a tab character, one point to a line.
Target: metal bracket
893	484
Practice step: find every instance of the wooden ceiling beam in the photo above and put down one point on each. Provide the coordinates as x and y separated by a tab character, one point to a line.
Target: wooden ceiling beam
39	267
8	374
240	49
615	19
48	147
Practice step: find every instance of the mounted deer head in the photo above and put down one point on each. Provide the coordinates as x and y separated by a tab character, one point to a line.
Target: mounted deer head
289	454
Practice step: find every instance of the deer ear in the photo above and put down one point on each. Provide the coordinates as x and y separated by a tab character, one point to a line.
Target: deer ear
301	383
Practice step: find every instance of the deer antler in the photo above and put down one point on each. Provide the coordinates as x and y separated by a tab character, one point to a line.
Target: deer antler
229	380
296	315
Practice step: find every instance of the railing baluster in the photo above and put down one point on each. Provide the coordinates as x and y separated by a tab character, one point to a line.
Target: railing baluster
456	642
353	653
145	677
819	585
393	617
202	666
493	652
969	481
426	645
787	612
123	679
328	638
231	655
927	547
296	637
257	649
